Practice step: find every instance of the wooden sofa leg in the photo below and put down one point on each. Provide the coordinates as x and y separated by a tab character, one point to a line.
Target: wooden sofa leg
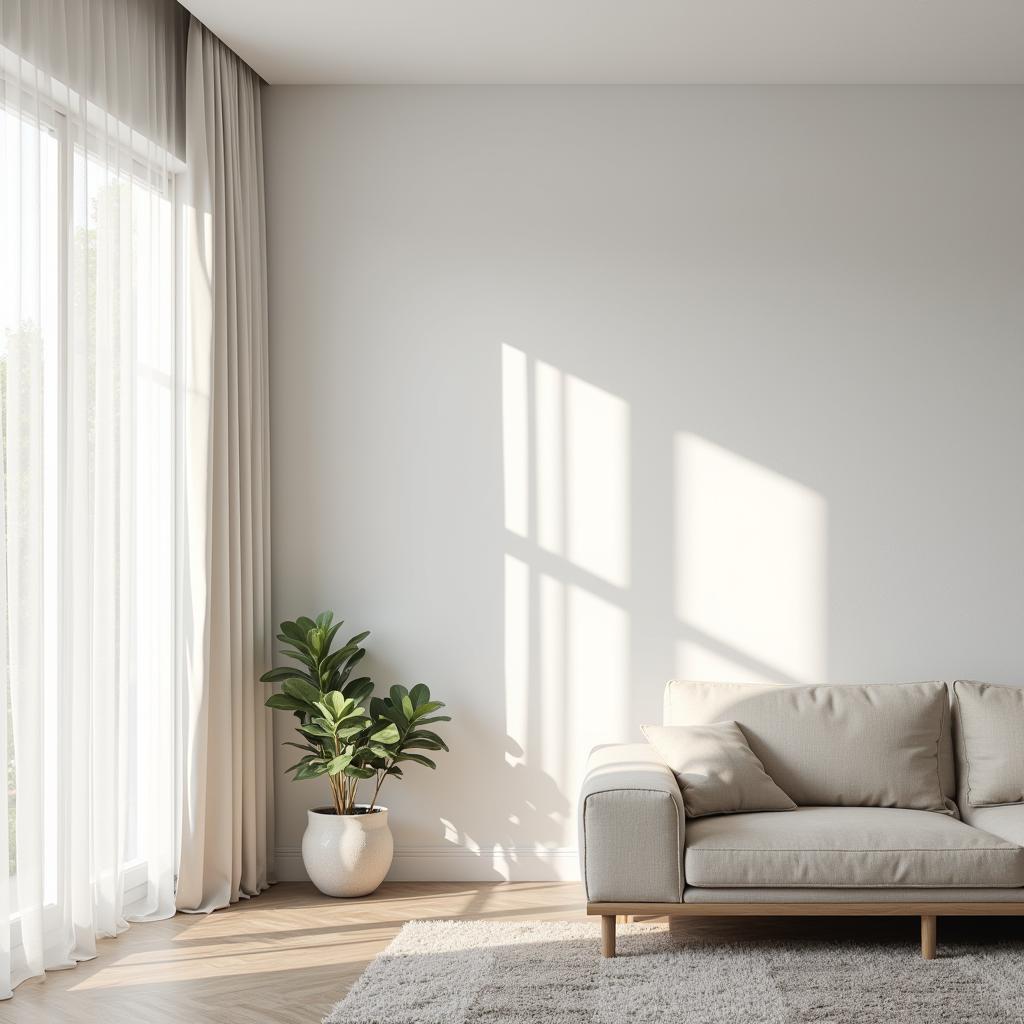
928	936
607	935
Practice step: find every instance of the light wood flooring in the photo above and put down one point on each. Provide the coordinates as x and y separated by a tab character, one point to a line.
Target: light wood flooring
288	955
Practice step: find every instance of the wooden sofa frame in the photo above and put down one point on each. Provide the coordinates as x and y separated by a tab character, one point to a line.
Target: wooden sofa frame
928	912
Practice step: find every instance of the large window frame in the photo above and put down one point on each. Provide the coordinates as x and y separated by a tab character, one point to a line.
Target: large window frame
50	113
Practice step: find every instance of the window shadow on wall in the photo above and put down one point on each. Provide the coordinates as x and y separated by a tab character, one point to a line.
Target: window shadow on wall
598	614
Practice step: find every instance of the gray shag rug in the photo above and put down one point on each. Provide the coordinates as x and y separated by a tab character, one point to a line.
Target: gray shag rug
539	972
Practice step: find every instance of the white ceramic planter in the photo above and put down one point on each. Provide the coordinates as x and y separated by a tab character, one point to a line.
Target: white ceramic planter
347	854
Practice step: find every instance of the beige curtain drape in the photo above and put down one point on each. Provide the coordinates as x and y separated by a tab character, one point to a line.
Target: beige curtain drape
227	818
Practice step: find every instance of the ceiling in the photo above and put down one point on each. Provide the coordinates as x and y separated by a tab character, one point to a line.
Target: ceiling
624	41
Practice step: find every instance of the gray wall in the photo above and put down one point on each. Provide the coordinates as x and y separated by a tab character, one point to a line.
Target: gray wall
577	389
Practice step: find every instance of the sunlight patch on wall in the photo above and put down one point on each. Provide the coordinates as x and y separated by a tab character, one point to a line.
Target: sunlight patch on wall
597	678
552	690
517	652
582	473
550	418
597	481
515	439
750	561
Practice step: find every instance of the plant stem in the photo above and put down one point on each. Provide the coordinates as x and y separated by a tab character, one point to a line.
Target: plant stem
335	794
381	776
339	804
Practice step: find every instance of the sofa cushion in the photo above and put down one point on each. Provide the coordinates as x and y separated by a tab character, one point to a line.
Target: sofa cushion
1006	821
991	742
716	770
897	894
874	745
847	847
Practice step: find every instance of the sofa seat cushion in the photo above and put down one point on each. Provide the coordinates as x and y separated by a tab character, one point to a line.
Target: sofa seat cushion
897	894
1006	822
847	847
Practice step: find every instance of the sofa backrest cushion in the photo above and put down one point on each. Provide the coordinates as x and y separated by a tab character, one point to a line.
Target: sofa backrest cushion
875	745
990	743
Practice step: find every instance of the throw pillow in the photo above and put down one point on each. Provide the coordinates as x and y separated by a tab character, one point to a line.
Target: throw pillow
717	771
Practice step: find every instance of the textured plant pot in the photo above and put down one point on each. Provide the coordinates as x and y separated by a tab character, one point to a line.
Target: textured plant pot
347	854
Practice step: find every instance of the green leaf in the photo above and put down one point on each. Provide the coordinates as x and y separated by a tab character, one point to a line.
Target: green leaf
355	772
423	745
311	771
338	764
339	705
417	759
316	732
324	619
331	633
305	624
304	658
407	709
288	642
301	691
394	713
293	633
352	662
300	746
430	721
389	734
358	689
334	660
316	641
282	702
430	737
419	694
346	732
426	709
277	675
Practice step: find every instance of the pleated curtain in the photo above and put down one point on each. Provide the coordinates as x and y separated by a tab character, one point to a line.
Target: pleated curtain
228	811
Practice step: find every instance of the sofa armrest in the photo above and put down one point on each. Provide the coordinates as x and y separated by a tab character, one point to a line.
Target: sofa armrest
631	825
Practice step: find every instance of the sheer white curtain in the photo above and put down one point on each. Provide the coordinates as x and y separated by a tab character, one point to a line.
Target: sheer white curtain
90	125
228	812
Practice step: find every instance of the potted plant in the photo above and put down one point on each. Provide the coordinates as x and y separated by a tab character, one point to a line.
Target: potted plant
351	737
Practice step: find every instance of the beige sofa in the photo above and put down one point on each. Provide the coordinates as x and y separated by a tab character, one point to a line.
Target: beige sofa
909	801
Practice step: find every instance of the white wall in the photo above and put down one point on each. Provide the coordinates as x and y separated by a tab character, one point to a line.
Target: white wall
577	389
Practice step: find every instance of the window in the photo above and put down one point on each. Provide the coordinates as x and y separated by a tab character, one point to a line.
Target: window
87	419
29	358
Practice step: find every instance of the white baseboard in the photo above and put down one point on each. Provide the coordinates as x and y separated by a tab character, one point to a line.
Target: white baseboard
457	864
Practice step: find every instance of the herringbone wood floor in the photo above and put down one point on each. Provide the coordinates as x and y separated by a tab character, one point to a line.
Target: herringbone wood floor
290	954
285	957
